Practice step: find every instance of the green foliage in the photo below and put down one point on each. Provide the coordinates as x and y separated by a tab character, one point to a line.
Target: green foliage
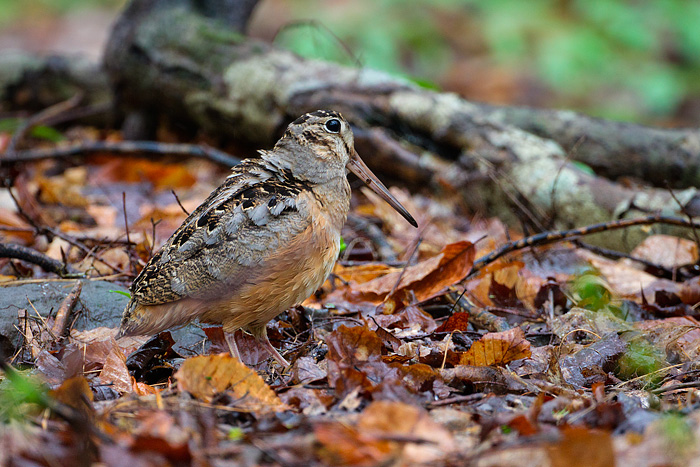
11	10
121	292
614	58
647	49
20	394
10	125
640	359
590	290
677	433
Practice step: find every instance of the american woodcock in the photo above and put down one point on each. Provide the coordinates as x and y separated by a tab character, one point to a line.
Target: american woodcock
262	242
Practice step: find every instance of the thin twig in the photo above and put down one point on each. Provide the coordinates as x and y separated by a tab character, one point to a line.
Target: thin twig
127	148
59	324
177	198
48	264
457	399
546	238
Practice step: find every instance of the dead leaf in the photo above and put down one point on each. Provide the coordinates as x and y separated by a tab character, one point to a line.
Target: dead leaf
497	348
362	273
134	170
344	445
679	335
667	251
592	363
417	438
64	189
208	375
115	371
9	218
305	370
354	360
457	322
581	446
427	278
76	393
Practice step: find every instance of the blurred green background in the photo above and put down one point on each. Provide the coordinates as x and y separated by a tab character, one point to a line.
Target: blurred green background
628	60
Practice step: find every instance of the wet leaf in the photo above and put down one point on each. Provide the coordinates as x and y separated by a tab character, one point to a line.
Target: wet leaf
497	348
592	363
427	278
115	371
206	376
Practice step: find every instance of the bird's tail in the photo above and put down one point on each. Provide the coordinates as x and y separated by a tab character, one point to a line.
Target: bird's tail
139	319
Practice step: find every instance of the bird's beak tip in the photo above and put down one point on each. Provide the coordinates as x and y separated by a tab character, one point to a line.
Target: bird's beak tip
359	168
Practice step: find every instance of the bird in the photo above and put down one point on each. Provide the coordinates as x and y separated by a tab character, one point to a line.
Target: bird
262	242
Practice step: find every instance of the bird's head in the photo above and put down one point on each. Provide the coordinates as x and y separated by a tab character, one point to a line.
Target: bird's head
319	147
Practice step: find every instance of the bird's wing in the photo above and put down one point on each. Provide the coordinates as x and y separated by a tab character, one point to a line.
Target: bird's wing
226	240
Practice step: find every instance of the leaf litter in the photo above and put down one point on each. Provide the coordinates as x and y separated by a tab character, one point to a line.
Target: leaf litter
392	362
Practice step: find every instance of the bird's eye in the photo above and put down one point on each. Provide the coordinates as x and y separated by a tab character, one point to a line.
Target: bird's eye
333	125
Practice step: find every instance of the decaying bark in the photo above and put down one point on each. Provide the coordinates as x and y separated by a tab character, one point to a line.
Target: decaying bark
179	58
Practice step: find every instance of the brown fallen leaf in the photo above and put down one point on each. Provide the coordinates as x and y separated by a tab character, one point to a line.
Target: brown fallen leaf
76	393
115	371
667	250
582	446
362	273
457	322
497	348
208	375
341	444
679	335
425	279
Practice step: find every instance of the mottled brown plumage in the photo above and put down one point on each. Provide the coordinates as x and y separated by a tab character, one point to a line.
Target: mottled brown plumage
262	242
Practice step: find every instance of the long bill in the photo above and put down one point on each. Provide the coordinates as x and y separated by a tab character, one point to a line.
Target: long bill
359	168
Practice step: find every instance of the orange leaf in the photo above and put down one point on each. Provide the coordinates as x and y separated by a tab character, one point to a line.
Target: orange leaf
457	322
344	445
427	278
581	446
76	393
161	174
362	273
208	375
497	348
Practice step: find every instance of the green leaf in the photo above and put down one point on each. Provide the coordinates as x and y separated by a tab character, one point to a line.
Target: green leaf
642	358
343	246
585	168
19	394
47	133
121	292
10	125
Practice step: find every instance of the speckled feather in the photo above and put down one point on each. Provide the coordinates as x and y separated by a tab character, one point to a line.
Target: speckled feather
227	251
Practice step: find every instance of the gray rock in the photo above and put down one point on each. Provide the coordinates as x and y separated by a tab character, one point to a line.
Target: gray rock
96	307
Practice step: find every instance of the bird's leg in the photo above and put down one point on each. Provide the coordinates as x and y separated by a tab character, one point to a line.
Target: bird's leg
260	333
232	347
